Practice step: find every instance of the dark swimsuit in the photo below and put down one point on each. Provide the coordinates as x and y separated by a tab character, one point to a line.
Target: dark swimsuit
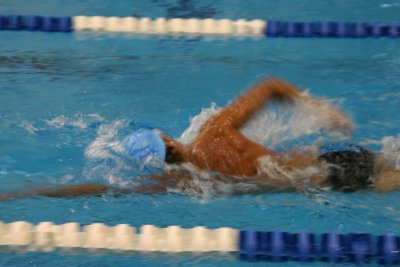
351	169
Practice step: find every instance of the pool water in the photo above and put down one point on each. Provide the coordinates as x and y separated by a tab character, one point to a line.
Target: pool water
66	100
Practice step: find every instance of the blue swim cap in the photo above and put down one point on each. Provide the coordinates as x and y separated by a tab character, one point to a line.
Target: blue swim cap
145	145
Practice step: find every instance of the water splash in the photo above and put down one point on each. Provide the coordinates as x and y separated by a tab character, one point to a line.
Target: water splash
81	121
106	158
196	122
106	143
390	149
29	127
206	184
390	5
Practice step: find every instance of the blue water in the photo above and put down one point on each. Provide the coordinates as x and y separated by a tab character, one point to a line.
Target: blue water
59	92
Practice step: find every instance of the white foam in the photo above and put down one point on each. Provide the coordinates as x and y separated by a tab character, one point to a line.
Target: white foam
29	127
196	122
391	150
390	5
81	121
106	142
106	157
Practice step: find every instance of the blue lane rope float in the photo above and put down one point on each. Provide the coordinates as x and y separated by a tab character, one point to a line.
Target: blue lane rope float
36	23
249	245
227	27
335	29
356	248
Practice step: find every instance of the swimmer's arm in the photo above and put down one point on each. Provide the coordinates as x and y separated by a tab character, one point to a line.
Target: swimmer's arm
66	191
238	112
71	191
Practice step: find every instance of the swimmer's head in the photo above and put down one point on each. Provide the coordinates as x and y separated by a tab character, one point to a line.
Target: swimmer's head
145	145
148	145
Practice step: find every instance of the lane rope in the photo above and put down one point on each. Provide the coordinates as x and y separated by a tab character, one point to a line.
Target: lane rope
194	26
249	245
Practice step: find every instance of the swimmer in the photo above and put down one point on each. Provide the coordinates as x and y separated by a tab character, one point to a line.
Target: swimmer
221	148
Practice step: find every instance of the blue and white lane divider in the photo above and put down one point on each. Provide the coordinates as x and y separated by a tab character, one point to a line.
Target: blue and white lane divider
249	245
224	27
